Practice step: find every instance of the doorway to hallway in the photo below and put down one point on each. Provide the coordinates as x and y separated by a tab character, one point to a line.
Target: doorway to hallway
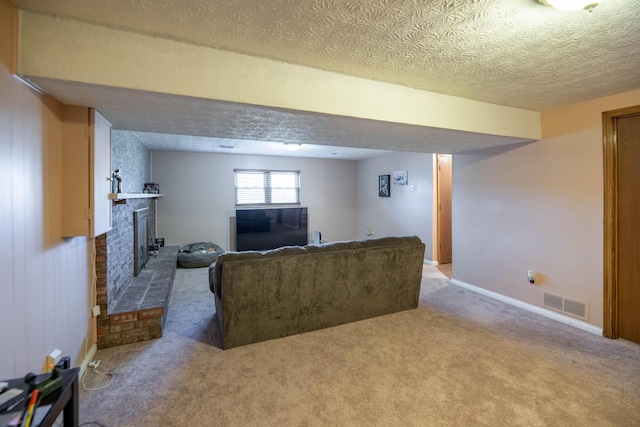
444	188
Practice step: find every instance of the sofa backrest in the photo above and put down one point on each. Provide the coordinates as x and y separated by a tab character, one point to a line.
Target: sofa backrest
216	280
290	290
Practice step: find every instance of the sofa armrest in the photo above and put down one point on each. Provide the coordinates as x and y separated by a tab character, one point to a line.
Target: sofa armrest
213	282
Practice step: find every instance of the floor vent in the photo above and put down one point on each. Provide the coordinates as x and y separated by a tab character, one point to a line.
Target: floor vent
566	306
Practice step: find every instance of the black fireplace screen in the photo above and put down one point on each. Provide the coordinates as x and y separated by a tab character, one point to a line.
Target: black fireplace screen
140	237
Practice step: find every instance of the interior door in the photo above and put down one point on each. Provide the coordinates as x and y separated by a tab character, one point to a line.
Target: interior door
444	208
628	141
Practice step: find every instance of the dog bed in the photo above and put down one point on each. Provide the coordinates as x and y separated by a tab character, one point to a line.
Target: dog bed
199	254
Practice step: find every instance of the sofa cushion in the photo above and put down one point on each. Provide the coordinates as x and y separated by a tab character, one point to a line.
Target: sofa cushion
389	241
334	246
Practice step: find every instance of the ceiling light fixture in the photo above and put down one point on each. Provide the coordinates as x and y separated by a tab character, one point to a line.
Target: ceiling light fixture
293	147
572	4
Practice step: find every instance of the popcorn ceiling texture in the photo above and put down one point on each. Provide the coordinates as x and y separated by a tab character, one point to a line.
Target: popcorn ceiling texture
507	52
250	127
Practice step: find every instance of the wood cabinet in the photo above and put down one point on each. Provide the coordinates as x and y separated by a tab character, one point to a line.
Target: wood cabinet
86	172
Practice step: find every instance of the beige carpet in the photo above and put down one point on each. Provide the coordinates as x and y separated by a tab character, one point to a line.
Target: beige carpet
459	359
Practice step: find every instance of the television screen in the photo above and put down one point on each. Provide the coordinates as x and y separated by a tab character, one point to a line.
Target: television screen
264	229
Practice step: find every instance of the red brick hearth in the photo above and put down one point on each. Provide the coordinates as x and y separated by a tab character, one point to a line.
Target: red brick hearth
140	311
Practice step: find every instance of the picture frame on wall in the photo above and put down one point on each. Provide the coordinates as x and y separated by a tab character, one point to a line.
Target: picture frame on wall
400	178
384	190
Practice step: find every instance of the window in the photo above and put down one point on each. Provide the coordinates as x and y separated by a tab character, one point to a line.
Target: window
263	187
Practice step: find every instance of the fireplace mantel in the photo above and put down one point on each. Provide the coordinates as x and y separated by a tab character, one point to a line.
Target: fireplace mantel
119	198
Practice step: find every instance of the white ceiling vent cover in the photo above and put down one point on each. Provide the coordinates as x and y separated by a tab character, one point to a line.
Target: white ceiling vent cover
566	306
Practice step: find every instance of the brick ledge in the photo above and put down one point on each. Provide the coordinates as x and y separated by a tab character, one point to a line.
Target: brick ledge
140	312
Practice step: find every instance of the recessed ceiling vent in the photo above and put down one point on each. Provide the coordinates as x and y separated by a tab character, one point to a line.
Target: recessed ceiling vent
566	306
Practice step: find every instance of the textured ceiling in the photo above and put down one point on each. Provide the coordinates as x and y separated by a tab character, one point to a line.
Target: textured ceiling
168	142
507	52
516	53
254	130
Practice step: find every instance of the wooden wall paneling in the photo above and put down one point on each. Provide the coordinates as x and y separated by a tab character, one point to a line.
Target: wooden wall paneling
18	223
7	307
34	282
45	287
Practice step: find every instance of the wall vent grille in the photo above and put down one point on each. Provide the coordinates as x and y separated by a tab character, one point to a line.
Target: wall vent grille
566	306
552	301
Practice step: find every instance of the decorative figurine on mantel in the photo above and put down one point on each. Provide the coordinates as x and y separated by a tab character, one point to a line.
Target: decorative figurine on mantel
116	181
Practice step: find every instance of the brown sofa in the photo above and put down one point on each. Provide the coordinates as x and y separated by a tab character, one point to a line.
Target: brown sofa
265	295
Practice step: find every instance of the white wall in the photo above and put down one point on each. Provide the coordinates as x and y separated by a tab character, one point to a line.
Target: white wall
44	292
199	195
406	212
537	206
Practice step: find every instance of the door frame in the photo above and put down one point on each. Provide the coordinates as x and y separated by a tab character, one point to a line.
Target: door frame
610	154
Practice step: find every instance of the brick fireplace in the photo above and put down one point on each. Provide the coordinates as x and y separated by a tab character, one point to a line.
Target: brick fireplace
130	311
132	304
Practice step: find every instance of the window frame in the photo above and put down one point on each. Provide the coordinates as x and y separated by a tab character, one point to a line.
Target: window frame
266	174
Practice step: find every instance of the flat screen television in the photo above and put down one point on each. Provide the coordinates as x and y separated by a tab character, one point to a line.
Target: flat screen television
270	228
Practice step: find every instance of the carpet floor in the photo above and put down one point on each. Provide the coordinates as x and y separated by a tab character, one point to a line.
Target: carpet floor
458	359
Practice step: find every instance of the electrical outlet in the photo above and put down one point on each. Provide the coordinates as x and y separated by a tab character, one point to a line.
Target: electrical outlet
96	310
530	277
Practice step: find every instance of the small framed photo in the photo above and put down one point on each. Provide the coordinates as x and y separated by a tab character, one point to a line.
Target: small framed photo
400	178
151	187
383	186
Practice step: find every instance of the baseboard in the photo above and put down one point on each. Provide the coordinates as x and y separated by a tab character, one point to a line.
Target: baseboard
87	358
430	262
532	308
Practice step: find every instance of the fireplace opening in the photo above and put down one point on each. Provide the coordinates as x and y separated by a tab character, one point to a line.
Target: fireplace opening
141	239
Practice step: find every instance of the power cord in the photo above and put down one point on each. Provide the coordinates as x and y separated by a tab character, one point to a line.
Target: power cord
59	423
94	367
92	288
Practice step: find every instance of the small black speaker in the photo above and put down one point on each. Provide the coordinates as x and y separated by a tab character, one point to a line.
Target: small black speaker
64	363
